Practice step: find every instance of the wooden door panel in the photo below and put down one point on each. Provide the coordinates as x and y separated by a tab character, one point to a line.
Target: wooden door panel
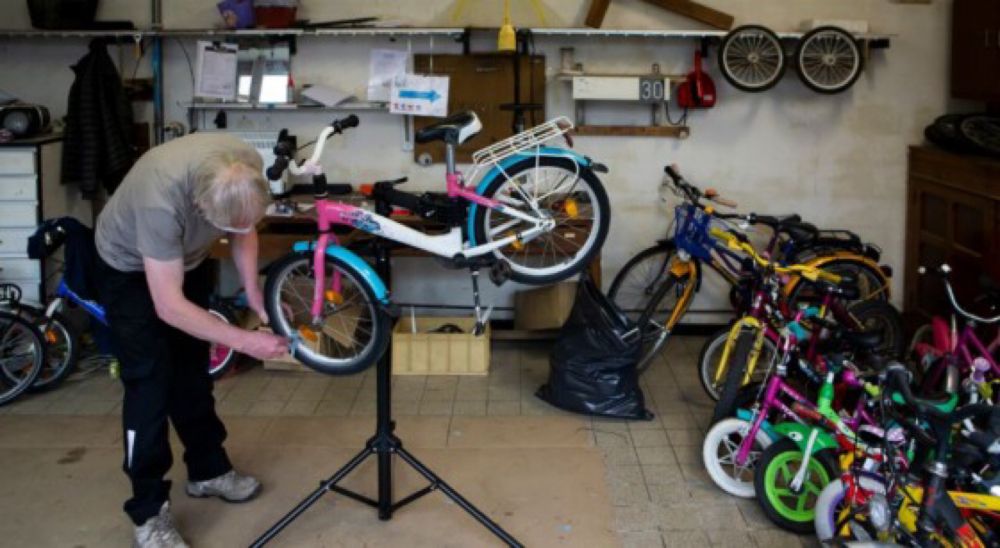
481	83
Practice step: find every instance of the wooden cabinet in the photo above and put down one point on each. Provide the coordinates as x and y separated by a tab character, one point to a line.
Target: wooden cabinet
30	191
953	216
975	50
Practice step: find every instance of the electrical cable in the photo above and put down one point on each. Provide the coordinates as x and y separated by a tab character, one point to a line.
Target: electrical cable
188	58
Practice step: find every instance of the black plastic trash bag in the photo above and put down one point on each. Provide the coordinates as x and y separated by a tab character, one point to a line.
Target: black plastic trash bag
592	371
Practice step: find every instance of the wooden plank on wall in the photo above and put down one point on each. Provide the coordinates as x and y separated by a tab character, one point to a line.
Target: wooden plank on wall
595	16
696	11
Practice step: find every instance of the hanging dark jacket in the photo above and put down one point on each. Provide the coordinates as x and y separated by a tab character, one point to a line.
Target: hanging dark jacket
80	259
97	148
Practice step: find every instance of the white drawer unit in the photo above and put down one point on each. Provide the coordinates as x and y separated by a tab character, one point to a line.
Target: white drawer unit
31	190
20	187
14	241
17	161
19	214
20	269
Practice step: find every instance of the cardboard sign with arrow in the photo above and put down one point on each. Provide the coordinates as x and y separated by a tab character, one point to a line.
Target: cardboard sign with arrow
419	95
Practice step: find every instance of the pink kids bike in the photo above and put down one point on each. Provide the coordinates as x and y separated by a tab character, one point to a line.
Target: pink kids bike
535	214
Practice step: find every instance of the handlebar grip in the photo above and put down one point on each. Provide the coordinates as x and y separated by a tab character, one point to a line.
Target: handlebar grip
723	201
346	123
671	170
277	168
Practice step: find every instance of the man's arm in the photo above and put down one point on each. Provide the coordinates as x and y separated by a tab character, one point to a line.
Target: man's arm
166	282
244	249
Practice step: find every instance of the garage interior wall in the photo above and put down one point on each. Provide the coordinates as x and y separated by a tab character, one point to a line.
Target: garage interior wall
838	160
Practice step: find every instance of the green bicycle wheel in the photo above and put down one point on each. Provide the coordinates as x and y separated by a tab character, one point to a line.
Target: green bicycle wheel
791	509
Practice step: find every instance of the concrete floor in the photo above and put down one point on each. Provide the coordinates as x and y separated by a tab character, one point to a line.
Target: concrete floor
549	477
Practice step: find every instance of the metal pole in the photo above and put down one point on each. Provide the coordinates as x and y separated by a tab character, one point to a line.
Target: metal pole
157	66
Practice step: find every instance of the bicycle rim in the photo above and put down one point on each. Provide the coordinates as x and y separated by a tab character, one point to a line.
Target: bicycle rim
21	356
752	58
829	60
711	361
348	326
563	196
794	506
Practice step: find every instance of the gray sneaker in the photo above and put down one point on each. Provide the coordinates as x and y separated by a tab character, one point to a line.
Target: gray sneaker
159	531
230	487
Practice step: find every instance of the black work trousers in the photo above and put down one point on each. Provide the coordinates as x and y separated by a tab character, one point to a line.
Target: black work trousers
165	375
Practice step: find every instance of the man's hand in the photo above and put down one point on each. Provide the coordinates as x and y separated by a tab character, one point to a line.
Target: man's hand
255	300
263	345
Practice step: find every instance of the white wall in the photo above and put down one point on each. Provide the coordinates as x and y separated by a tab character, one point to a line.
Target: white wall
839	160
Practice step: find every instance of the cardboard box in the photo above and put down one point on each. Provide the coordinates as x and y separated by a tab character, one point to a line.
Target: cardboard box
430	353
545	307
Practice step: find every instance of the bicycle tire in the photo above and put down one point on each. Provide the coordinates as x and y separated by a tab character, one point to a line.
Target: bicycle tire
626	298
20	341
62	348
720	438
707	363
736	370
980	133
829	63
763	55
221	358
800	520
599	204
855	267
829	503
379	326
884	316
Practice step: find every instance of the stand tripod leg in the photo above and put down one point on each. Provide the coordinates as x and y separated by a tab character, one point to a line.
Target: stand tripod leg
312	498
458	499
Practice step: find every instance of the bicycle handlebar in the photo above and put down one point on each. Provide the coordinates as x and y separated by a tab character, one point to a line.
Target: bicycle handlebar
695	194
283	152
943	271
738	243
898	380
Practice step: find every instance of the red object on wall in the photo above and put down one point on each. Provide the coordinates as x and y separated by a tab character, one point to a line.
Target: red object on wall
698	90
273	17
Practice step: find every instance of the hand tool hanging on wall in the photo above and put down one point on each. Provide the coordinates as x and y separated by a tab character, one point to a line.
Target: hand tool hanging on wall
698	90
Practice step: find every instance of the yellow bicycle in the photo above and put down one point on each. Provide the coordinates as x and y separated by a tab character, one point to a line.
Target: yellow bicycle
657	286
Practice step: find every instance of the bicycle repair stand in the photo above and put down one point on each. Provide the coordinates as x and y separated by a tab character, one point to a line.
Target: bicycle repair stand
383	445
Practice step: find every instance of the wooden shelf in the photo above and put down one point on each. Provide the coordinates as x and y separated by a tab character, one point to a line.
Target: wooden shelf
680	132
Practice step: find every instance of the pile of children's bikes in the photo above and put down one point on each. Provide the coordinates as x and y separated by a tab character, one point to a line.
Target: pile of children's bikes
823	413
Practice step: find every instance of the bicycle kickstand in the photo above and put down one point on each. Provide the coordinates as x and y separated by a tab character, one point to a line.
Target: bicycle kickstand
481	317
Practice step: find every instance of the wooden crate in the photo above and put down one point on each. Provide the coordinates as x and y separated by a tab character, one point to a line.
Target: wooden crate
427	353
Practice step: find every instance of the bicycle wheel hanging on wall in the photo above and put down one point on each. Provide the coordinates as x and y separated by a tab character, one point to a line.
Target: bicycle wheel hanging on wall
828	60
752	58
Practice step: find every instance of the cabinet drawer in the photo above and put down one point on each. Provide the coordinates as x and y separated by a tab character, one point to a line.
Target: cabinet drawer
17	162
18	188
21	269
14	241
19	214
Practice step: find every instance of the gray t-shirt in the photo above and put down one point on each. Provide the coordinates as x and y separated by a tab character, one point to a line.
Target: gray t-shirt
152	214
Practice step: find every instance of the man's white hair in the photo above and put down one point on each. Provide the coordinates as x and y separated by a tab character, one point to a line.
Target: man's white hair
230	189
